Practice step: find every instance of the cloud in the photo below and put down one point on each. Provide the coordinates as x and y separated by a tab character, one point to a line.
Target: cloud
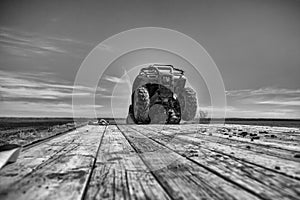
274	96
21	86
121	88
37	93
105	47
124	79
259	113
238	111
70	40
44	109
263	91
284	103
28	94
115	96
264	102
28	43
127	78
20	43
114	79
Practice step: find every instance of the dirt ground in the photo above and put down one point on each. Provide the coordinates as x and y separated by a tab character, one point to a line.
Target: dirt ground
23	131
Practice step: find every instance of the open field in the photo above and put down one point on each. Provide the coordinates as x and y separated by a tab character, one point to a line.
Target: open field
24	131
189	161
266	122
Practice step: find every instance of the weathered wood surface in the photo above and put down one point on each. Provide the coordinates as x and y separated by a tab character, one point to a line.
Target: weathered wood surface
264	183
252	152
182	178
157	162
57	169
120	172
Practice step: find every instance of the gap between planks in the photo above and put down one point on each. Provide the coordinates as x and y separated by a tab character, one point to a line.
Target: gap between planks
182	177
246	152
56	174
120	172
287	188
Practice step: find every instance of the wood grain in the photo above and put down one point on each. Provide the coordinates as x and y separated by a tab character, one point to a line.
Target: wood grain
263	155
265	183
58	173
182	178
156	162
120	173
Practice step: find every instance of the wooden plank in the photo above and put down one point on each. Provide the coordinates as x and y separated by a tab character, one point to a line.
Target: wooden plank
262	182
37	156
274	146
254	148
286	167
283	134
181	177
60	174
249	153
120	173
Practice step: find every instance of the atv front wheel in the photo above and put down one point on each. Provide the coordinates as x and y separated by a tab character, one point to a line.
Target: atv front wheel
129	119
141	105
188	104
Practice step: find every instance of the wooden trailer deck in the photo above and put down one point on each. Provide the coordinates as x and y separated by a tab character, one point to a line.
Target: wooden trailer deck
157	162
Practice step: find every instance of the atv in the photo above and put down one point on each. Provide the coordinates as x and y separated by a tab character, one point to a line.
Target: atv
159	95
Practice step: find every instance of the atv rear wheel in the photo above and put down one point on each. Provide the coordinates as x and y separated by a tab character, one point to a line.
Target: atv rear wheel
141	103
158	114
188	104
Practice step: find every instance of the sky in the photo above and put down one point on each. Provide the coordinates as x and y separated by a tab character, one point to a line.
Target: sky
255	45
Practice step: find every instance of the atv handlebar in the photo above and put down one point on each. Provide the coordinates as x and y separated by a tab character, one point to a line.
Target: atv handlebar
154	69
